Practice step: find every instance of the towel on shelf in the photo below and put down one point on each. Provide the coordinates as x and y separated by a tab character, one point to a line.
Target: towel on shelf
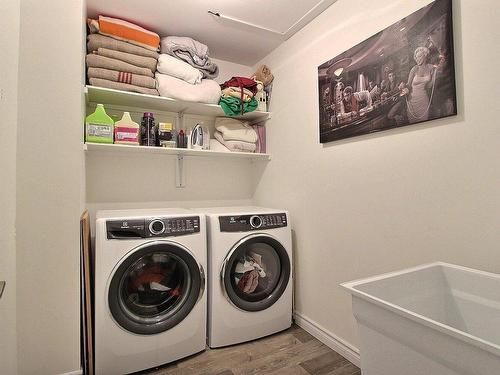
238	146
140	61
208	91
126	31
121	86
96	61
215	145
123	77
234	106
177	68
96	41
236	92
235	130
191	51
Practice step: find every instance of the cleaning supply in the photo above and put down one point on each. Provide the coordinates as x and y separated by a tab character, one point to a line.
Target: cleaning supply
126	130
148	130
181	139
99	126
165	135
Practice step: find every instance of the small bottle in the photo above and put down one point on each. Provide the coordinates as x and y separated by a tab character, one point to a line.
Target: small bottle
126	130
148	130
99	126
181	139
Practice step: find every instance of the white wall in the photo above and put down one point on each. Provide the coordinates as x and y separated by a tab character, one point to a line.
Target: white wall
9	41
49	183
382	202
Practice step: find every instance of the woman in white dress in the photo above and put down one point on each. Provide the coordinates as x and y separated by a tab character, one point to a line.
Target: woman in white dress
420	80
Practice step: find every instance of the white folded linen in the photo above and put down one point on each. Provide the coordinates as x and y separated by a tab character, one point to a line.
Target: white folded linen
235	130
238	146
175	67
208	91
215	145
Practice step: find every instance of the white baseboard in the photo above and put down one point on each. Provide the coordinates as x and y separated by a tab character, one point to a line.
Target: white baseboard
334	342
76	372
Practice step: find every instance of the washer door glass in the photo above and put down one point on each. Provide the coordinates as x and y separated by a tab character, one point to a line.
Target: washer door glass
155	288
256	273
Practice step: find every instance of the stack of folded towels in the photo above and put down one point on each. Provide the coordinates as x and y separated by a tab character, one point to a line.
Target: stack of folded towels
185	71
122	56
238	135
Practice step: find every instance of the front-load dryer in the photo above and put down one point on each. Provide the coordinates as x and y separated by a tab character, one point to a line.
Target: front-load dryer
150	305
249	273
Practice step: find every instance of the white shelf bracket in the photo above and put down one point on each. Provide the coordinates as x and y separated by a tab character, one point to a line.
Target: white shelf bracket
179	172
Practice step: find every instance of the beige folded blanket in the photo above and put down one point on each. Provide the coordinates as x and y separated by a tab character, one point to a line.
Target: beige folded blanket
238	146
96	41
96	61
121	86
141	61
235	130
123	77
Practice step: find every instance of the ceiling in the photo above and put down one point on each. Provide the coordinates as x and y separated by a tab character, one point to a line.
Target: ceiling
227	39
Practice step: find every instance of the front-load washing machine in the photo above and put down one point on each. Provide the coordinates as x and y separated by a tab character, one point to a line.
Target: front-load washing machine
249	273
150	305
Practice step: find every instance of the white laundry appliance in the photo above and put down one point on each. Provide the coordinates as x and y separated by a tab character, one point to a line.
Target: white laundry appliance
150	300
249	273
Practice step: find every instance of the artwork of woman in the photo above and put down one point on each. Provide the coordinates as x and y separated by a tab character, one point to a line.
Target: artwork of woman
420	80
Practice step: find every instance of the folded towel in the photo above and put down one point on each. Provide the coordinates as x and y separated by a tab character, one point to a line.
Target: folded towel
123	77
232	105
238	146
96	41
175	67
127	31
96	61
121	86
208	91
141	61
236	92
215	145
235	130
191	51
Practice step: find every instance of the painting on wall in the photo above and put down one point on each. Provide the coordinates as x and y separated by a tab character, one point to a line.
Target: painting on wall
403	75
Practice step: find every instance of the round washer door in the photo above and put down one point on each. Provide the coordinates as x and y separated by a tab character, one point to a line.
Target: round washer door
155	287
256	272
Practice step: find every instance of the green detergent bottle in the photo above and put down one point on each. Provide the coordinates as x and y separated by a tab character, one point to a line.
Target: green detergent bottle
99	127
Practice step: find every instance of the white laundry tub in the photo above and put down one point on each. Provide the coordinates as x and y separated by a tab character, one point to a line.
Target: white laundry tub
436	319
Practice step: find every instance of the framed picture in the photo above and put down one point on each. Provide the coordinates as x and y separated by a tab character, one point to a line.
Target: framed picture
403	75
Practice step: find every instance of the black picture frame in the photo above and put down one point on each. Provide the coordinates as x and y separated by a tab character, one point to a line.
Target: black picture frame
403	75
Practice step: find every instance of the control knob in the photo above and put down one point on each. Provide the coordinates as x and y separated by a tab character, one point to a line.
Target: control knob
156	227
256	221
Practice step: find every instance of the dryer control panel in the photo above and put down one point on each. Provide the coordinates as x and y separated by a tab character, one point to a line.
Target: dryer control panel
245	223
152	227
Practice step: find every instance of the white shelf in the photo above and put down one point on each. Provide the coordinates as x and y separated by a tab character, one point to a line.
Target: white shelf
130	149
101	95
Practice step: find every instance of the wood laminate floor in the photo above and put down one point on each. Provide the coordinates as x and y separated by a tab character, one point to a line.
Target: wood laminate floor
291	352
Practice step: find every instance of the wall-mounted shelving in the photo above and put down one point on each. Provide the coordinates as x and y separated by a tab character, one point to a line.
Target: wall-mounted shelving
131	149
105	96
179	153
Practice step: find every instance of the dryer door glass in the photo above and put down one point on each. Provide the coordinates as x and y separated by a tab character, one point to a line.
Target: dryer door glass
256	273
155	288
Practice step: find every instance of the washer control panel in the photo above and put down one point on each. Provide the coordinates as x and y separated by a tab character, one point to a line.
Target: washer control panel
152	227
245	223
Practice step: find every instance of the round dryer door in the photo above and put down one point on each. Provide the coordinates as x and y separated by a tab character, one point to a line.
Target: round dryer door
256	272
155	287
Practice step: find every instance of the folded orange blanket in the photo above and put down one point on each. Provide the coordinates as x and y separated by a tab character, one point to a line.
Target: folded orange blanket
127	31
